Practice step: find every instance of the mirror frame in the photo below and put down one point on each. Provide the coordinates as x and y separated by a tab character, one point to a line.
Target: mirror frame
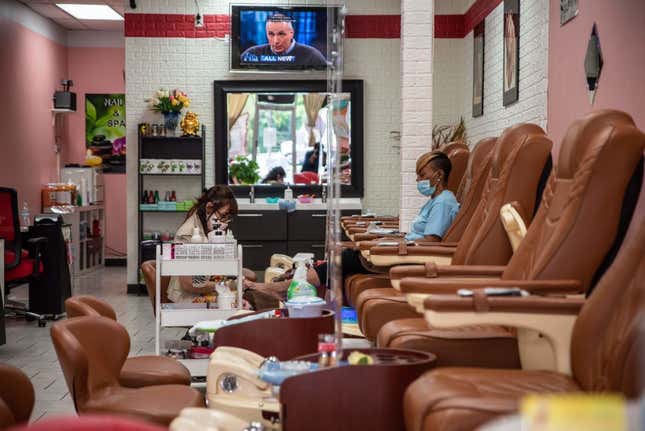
221	89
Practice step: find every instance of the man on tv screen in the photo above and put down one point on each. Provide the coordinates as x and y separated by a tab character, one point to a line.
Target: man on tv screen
282	47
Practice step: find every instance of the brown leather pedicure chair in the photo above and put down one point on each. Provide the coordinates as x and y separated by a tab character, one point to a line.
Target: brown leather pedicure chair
471	188
91	352
16	396
138	371
572	236
602	355
520	158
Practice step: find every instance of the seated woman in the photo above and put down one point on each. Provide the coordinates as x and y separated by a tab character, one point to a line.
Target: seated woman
275	176
430	225
213	209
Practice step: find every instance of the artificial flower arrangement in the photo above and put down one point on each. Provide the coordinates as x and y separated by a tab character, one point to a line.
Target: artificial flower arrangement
165	101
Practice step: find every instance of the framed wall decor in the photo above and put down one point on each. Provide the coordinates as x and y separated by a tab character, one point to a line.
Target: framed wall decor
511	51
105	129
568	10
478	70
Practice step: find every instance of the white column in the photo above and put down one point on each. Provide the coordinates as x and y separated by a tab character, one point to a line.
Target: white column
417	27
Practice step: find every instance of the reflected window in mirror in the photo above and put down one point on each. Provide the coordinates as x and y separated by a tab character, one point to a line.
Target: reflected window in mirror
593	63
279	138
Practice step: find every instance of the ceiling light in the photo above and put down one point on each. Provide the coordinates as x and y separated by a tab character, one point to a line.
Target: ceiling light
91	11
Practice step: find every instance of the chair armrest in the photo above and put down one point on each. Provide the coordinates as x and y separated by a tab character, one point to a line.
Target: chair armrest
373	237
506	304
431	270
552	318
442	285
35	246
403	248
452	244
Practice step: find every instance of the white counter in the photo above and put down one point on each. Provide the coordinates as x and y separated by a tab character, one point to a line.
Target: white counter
317	205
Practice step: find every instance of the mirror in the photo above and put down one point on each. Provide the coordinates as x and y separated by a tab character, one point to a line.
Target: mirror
593	63
273	133
280	138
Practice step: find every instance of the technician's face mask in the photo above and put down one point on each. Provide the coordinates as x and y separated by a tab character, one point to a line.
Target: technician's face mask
425	188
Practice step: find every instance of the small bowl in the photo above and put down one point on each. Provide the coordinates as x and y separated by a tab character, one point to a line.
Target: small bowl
272	200
305	199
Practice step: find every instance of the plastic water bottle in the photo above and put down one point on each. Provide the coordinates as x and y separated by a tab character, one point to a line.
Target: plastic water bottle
25	216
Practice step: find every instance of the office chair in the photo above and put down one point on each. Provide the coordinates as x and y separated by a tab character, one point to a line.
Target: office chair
22	261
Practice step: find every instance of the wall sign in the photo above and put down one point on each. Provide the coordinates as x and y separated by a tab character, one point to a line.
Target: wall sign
105	129
511	51
478	70
568	10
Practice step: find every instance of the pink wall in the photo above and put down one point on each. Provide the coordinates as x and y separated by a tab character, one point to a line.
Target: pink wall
31	69
99	70
621	29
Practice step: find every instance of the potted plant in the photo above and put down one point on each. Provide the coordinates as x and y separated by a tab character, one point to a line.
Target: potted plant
170	104
442	135
244	171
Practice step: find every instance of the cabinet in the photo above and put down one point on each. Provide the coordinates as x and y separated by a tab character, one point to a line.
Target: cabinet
167	164
263	233
87	242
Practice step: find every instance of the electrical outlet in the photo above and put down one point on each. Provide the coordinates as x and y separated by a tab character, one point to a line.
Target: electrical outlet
199	21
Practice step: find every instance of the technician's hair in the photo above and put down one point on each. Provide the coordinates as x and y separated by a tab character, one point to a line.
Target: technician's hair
436	159
219	196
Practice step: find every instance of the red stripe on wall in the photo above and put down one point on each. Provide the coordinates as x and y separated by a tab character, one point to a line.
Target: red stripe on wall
356	26
478	12
449	26
167	25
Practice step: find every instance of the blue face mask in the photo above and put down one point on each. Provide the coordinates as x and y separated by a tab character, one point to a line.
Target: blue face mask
425	188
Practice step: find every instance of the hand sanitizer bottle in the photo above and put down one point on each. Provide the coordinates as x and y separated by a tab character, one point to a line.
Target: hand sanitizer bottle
196	238
288	193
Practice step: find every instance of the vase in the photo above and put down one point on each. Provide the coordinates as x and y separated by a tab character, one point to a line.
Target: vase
170	122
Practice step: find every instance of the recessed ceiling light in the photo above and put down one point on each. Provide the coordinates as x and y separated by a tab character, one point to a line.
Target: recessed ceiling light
90	11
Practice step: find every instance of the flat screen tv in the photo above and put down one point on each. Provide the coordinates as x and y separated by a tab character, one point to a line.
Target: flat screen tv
272	38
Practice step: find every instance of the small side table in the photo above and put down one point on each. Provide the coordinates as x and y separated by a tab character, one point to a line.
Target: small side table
368	397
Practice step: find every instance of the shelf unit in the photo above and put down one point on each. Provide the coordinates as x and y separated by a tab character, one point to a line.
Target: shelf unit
167	148
183	315
87	252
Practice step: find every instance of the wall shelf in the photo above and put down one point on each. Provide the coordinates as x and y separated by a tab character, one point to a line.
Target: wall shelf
162	211
167	148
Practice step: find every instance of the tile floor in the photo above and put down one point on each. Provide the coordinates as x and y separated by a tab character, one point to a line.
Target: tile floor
30	348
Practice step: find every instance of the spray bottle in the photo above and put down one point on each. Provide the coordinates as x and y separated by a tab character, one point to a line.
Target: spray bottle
299	285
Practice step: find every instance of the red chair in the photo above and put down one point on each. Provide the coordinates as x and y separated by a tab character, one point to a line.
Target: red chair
306	177
22	262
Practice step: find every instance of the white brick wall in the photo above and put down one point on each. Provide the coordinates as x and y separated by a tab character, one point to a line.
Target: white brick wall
417	23
193	64
532	103
452	7
449	81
